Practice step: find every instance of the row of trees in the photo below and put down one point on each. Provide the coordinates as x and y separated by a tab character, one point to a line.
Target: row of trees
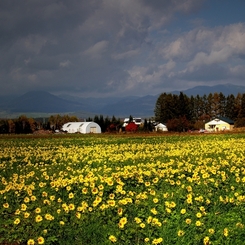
181	112
25	125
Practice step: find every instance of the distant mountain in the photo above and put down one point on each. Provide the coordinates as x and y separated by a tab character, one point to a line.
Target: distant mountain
226	89
44	102
144	106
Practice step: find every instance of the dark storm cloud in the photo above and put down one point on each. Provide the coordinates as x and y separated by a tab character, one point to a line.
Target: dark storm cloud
112	47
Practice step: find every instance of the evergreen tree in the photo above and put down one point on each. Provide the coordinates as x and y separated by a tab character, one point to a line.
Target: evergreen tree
192	109
209	106
237	105
145	125
222	104
160	108
242	108
216	105
230	107
184	106
198	108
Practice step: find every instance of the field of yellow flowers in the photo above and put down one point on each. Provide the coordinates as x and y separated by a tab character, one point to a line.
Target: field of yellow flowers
88	189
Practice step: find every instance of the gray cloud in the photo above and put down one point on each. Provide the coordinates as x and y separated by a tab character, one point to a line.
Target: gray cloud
100	48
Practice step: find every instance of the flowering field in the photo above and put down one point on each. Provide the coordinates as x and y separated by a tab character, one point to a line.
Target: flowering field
123	190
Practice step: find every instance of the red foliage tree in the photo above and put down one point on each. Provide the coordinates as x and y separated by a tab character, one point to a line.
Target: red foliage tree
131	127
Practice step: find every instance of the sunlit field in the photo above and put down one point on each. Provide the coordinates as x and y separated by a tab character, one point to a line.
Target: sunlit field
88	189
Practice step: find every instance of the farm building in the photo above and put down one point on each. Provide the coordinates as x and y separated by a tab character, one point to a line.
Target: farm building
161	127
137	121
219	124
81	127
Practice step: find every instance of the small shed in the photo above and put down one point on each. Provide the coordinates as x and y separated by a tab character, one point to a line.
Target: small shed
219	124
161	127
81	127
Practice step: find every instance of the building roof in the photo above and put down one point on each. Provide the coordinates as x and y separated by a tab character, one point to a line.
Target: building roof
219	120
225	119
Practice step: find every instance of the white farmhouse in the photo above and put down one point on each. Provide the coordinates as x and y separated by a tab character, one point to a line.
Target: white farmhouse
219	124
81	127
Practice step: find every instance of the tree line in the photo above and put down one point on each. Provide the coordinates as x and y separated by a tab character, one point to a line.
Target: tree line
25	125
180	112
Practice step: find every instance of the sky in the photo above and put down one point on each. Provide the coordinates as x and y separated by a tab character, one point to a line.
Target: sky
105	48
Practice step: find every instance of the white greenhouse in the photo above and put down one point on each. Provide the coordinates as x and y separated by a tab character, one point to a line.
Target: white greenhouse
161	127
81	127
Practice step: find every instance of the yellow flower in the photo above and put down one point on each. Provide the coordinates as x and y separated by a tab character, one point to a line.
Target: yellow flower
155	200
211	231
202	209
198	223
120	211
149	219
157	240
122	222
147	239
111	203
155	180
52	198
206	240
172	205
17	221
44	194
41	184
154	211
199	215
49	217
6	205
78	215
62	222
137	220
30	242
183	211
189	200
33	198
71	195
226	232
38	210
71	206
40	240
181	233
26	215
112	238
240	225
38	218
23	207
26	199
142	225
153	193
188	221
